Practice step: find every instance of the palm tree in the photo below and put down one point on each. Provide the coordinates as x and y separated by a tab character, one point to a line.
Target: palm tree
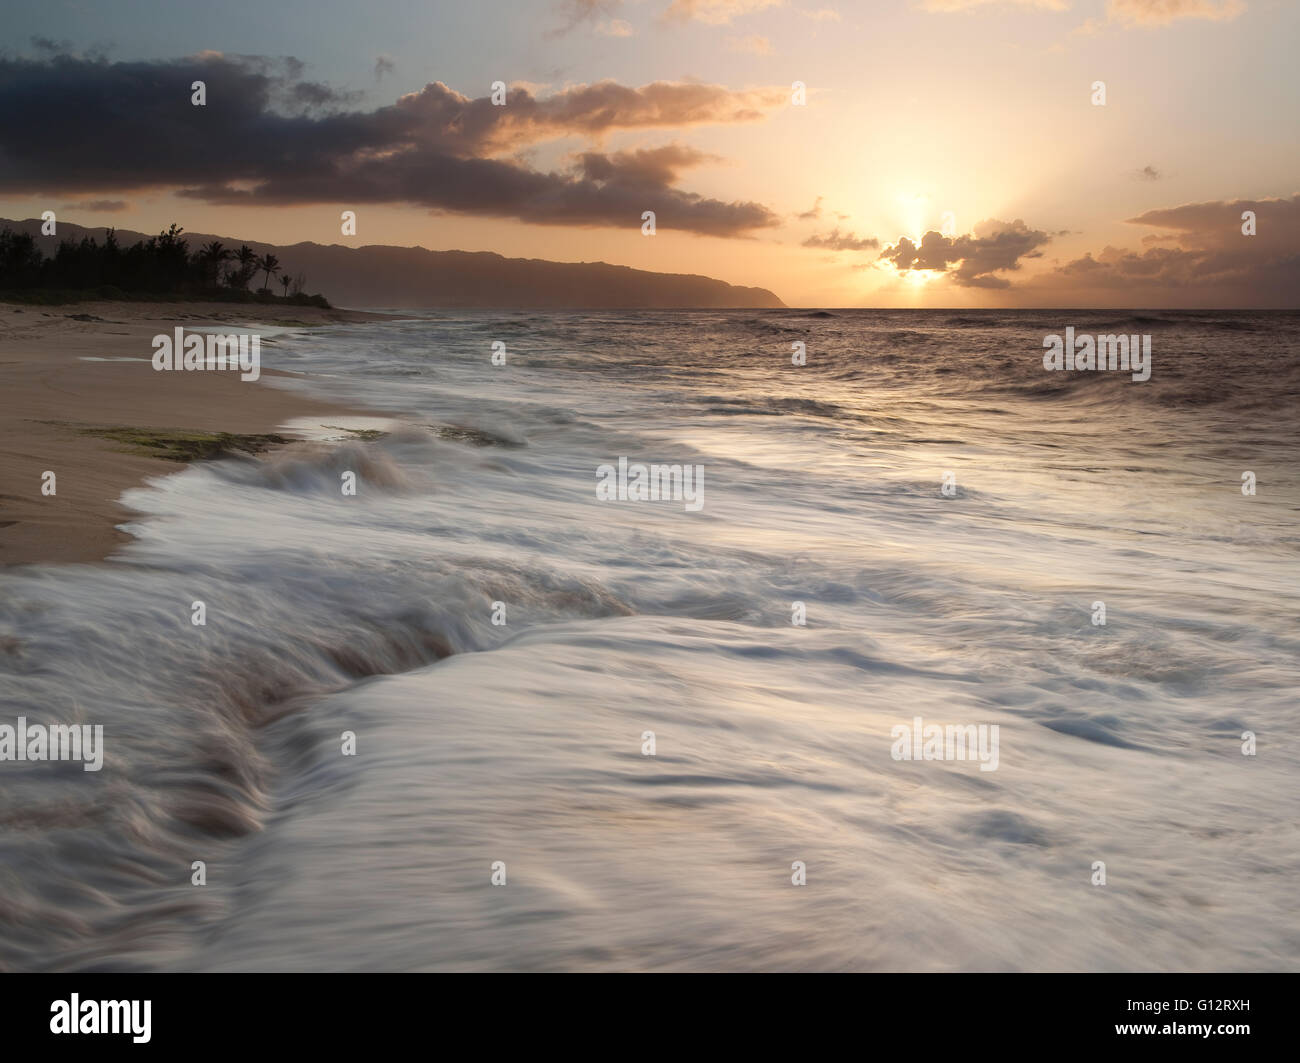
247	259
211	256
286	280
270	264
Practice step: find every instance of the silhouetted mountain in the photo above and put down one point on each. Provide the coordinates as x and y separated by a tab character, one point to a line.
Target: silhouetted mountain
384	276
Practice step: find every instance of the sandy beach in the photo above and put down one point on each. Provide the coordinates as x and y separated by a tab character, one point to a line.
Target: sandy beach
51	395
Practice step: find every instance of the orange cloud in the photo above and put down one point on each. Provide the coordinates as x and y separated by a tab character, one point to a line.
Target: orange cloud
715	12
1162	12
967	5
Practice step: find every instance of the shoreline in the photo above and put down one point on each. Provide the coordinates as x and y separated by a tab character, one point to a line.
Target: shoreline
79	398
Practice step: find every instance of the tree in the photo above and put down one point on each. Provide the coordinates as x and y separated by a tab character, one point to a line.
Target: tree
269	264
20	260
210	258
161	263
170	255
286	280
247	259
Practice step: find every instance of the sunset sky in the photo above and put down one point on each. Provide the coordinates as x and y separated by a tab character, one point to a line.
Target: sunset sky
914	108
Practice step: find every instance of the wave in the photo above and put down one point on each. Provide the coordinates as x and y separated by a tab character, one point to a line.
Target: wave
499	642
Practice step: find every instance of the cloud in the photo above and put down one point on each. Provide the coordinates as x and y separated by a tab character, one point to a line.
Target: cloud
48	44
652	166
590	110
267	137
1210	263
1147	173
753	44
576	12
100	206
615	28
837	241
715	12
815	211
1162	12
1130	13
970	5
383	65
994	247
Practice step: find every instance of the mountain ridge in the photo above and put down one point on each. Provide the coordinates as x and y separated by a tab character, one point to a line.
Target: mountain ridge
389	275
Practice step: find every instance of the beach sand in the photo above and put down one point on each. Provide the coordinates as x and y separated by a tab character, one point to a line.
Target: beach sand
50	394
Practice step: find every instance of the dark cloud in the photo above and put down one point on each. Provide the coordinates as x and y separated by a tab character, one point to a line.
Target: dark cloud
53	47
654	166
837	241
267	136
1210	261
1148	173
602	190
994	247
102	206
384	65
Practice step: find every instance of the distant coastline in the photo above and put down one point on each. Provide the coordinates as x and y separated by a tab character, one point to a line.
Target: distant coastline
411	277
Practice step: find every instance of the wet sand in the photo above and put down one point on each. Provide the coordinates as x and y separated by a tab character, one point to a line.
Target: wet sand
49	396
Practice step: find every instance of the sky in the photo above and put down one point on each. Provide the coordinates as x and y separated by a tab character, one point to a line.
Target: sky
942	152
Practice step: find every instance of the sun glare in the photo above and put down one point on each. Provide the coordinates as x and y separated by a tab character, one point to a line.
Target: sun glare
913	208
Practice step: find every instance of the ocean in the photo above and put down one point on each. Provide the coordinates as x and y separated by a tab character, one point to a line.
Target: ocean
475	717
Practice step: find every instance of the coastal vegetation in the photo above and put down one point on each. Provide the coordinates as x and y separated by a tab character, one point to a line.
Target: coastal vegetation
162	267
